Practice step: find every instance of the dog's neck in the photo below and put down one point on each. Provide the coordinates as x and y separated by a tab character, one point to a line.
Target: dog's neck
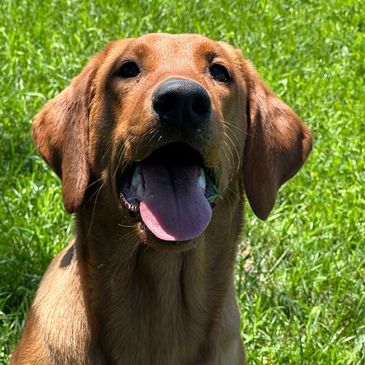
143	291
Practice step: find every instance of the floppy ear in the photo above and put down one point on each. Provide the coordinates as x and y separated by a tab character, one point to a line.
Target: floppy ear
277	145
60	133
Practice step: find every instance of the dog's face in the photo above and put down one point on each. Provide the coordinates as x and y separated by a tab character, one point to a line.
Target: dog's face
166	123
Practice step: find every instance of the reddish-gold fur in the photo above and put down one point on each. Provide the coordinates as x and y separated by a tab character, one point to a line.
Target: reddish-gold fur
118	295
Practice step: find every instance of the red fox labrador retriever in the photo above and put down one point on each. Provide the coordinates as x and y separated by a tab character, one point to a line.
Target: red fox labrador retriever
156	142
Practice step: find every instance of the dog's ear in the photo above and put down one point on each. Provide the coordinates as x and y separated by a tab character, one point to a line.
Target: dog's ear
277	144
60	133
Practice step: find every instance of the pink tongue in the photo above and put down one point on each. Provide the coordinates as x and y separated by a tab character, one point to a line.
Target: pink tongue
173	206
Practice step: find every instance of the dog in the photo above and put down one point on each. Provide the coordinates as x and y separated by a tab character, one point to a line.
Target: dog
157	142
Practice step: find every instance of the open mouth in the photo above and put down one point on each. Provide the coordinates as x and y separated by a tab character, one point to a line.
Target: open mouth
171	192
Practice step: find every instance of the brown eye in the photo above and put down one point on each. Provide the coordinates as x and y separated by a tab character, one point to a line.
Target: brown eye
220	73
128	70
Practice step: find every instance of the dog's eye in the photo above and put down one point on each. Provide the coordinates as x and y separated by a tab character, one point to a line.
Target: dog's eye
128	70
220	73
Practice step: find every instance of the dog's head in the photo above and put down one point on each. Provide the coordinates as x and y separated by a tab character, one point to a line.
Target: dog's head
166	123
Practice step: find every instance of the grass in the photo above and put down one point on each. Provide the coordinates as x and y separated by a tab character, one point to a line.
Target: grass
300	275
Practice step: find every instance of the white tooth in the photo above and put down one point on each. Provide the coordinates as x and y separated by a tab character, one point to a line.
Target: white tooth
140	192
201	179
137	178
137	183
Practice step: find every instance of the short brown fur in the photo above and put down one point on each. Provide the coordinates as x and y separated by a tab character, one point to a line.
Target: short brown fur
118	295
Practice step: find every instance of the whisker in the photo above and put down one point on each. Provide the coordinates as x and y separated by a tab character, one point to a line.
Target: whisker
107	150
137	243
240	198
93	213
94	182
125	226
230	125
121	153
230	152
95	192
236	150
132	238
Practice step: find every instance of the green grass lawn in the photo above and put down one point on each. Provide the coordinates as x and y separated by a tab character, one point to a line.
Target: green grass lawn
300	274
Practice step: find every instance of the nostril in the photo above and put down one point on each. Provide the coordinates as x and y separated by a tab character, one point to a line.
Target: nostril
181	103
201	105
165	103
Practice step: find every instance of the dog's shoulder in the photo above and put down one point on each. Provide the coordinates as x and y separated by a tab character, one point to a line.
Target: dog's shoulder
58	319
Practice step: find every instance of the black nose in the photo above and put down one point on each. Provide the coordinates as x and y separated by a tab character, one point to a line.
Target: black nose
182	104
